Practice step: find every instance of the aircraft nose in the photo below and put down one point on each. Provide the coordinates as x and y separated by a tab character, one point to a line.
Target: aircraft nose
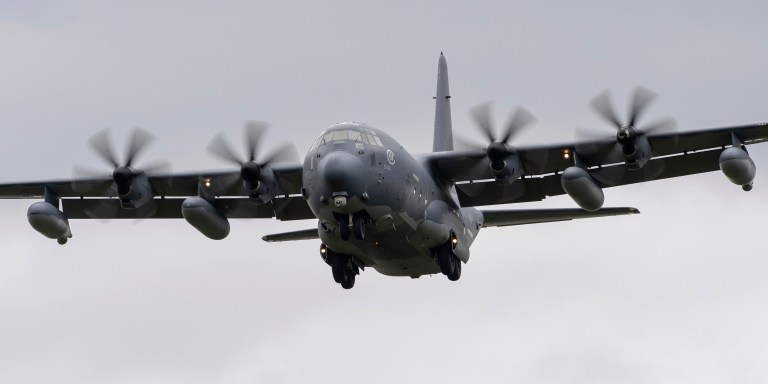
341	171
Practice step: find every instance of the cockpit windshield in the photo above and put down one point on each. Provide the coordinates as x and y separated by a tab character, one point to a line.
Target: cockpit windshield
358	134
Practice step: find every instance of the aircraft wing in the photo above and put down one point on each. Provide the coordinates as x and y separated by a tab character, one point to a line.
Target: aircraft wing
85	198
674	155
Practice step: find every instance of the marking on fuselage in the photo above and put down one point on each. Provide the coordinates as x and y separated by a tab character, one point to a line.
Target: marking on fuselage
390	157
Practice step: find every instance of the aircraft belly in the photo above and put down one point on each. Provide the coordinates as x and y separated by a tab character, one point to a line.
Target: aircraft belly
387	248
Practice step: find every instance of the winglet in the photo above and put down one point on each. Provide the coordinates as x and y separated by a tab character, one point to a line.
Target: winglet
443	137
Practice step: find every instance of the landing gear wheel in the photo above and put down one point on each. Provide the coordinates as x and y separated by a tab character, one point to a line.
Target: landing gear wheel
358	226
344	227
339	267
445	259
456	270
350	281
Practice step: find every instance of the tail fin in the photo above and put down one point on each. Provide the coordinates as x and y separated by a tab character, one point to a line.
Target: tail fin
443	139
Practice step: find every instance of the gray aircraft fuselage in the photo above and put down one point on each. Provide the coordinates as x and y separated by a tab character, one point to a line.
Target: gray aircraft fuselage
355	169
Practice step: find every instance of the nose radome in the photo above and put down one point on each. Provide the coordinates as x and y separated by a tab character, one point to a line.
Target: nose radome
341	171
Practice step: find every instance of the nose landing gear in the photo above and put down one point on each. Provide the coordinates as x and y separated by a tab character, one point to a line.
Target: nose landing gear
359	222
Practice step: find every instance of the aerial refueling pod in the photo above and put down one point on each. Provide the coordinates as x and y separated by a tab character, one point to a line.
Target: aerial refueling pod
49	221
580	186
202	215
738	167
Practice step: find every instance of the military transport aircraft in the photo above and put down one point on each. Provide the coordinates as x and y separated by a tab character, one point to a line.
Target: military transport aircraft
377	205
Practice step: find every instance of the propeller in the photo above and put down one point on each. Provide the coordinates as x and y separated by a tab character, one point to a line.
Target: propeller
498	148
252	164
89	181
626	135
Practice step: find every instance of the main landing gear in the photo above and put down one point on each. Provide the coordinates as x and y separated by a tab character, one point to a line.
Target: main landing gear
343	268
450	265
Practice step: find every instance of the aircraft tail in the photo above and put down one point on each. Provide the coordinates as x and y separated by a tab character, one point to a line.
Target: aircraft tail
443	139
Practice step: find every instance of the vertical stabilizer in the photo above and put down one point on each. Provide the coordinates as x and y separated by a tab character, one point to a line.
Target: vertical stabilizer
443	140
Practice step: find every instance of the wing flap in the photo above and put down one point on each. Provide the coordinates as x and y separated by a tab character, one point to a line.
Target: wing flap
505	218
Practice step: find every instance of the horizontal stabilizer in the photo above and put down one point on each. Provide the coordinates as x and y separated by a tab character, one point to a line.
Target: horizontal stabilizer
305	234
503	218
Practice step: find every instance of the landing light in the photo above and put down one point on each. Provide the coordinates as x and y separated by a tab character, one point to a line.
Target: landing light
207	183
455	241
566	154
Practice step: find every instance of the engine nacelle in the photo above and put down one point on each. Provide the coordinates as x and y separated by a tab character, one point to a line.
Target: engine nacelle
510	169
580	186
637	152
49	221
266	188
737	166
202	215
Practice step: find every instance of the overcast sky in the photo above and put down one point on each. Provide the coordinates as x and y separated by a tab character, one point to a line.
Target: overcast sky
676	294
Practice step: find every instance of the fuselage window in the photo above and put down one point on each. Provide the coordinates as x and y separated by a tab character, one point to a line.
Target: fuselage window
340	135
367	137
327	138
354	135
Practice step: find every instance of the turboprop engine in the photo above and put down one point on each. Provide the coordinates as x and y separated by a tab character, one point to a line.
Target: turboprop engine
202	215
505	162
49	221
738	167
629	138
257	176
580	186
503	157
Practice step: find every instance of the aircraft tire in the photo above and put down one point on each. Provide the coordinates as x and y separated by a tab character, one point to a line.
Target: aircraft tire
358	226
349	282
456	270
445	259
339	267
